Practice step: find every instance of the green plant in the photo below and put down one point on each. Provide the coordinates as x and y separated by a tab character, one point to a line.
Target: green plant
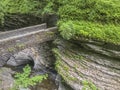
102	32
105	11
33	7
19	7
90	19
48	8
88	85
23	80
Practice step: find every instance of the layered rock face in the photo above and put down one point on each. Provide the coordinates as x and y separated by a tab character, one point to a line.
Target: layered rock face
91	61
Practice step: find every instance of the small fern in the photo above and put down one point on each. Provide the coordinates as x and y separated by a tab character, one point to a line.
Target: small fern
23	80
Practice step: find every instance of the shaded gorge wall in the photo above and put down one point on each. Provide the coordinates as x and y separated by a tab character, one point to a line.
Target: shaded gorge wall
15	21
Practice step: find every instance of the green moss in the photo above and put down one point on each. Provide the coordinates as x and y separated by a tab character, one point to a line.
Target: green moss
87	85
30	7
17	46
21	45
11	49
73	56
59	61
16	6
62	68
50	34
91	10
92	19
96	31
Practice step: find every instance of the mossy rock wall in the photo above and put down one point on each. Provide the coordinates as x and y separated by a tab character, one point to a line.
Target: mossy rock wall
16	21
77	62
104	11
92	19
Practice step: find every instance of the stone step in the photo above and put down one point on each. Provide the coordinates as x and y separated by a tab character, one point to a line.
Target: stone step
16	40
21	31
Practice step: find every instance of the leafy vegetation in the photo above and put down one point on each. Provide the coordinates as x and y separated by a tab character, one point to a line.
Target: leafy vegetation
16	6
96	31
91	10
33	7
92	19
23	80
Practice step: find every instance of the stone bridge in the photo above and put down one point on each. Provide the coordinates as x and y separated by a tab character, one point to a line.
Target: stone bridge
21	45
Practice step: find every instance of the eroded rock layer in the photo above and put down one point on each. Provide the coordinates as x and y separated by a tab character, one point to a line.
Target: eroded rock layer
86	61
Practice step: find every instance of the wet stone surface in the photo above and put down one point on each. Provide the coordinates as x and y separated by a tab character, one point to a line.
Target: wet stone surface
6	79
46	85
